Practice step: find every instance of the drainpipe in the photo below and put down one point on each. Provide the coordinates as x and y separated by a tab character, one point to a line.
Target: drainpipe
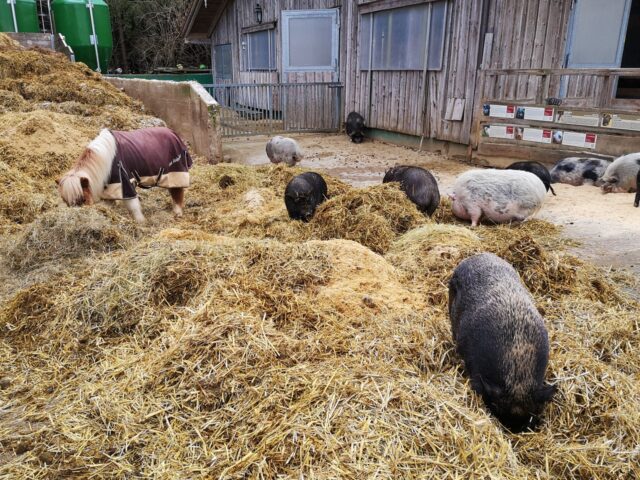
370	73
95	36
425	80
13	12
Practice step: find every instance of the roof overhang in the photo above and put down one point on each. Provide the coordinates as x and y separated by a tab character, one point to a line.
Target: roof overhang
202	18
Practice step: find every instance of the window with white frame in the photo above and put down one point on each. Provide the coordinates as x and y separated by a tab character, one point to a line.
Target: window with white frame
259	50
310	40
222	55
406	38
597	33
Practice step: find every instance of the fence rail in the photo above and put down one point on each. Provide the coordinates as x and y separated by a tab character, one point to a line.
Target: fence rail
266	108
590	88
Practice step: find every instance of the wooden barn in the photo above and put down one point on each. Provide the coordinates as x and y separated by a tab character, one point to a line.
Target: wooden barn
484	74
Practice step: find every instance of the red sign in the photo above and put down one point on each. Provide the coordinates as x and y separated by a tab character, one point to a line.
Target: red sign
546	134
548	112
510	130
511	108
590	138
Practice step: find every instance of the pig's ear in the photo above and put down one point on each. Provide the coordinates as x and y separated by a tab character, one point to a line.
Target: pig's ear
545	393
58	181
485	387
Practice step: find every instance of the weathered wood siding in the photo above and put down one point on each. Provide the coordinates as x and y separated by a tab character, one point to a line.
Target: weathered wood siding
479	34
240	14
531	34
406	102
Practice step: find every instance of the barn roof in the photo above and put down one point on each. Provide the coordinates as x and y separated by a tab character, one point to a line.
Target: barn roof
202	19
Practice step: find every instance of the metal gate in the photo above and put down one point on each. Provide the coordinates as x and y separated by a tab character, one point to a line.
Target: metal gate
266	108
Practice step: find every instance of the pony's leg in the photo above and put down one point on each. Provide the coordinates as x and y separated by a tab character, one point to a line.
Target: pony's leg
177	195
133	205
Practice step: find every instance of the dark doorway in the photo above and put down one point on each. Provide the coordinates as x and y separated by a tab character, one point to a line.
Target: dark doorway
630	87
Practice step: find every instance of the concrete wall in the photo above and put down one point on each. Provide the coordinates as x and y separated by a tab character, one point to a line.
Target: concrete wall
30	40
186	107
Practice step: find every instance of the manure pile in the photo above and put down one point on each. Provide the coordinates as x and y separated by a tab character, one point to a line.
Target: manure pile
234	343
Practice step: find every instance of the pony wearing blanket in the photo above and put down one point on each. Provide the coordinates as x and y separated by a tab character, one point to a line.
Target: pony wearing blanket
115	163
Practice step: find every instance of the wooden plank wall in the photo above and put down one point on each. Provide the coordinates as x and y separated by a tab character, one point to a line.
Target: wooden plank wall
240	14
303	108
529	34
525	34
398	100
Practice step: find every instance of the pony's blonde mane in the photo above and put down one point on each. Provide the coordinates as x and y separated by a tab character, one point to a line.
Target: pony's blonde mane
94	164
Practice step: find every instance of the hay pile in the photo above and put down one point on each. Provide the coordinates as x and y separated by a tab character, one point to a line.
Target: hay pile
234	343
192	353
67	233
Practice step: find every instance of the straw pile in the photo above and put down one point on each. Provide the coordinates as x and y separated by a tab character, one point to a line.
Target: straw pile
68	233
234	343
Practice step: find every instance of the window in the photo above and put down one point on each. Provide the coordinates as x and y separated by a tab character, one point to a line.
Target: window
597	33
223	62
396	39
259	50
310	40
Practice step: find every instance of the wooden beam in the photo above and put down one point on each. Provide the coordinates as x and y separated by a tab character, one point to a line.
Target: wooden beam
622	72
259	27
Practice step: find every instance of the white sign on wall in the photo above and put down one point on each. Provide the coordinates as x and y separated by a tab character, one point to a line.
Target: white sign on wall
498	131
583	140
537	135
502	111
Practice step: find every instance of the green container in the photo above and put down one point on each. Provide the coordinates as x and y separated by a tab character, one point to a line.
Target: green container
73	20
26	16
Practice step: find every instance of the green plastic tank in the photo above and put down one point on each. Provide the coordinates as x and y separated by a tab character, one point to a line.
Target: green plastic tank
72	18
26	16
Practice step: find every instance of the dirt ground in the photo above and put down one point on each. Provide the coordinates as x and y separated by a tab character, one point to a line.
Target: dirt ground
606	227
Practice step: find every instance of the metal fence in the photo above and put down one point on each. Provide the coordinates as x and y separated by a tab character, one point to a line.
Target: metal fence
266	108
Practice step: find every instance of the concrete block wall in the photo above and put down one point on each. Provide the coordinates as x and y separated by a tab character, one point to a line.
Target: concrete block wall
186	107
30	40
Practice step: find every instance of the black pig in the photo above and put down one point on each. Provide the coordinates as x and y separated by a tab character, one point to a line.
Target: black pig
355	127
537	169
502	339
303	195
418	184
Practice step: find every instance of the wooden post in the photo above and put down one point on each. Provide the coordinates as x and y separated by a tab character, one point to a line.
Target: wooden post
604	99
477	114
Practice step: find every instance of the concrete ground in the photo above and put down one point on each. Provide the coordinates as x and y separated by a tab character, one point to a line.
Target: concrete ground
606	226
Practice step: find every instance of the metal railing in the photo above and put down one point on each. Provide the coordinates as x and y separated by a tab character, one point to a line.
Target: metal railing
266	108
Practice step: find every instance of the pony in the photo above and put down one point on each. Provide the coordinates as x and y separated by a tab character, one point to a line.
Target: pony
114	163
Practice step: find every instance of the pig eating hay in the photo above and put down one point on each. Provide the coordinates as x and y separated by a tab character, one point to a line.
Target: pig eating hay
501	338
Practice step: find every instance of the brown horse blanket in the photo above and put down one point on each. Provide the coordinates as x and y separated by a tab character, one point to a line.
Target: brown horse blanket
147	158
